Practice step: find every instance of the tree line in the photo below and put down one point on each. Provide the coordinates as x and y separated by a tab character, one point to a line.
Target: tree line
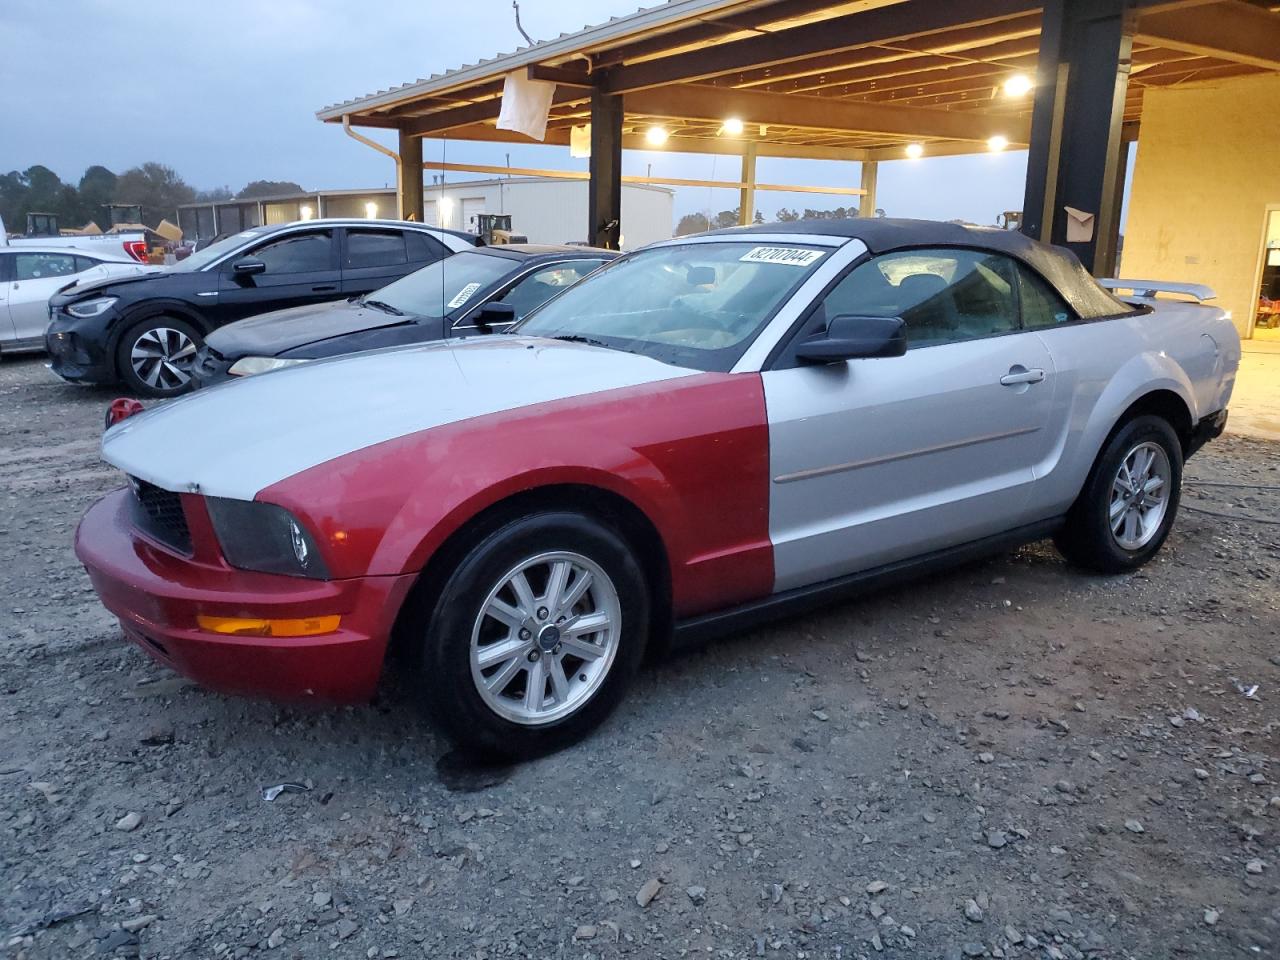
158	189
698	222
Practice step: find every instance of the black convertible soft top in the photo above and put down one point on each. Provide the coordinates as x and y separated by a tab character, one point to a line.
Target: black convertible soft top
1057	265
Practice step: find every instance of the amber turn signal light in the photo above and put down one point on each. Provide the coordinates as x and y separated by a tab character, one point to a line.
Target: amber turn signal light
261	627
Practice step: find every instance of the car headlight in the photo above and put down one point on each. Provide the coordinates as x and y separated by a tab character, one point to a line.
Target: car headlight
248	366
91	308
266	538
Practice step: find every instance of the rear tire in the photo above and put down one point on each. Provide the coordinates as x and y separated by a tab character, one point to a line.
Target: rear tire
1127	507
534	637
155	357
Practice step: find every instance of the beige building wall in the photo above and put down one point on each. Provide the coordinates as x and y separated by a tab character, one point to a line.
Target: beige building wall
1208	167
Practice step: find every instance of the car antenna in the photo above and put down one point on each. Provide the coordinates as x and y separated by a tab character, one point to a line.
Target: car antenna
515	5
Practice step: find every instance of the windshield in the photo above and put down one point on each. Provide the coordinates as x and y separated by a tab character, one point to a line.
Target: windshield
696	305
206	255
446	285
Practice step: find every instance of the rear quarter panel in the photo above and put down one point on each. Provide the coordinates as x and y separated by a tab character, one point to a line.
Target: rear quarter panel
1103	367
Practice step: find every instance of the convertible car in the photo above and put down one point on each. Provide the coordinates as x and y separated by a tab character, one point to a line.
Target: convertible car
704	433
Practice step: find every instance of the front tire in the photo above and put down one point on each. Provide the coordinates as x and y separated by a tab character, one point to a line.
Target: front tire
1128	505
535	636
155	358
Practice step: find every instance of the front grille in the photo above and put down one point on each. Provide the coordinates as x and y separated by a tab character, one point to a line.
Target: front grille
159	515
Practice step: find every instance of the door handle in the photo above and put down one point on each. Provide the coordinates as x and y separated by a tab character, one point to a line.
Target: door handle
1019	374
325	288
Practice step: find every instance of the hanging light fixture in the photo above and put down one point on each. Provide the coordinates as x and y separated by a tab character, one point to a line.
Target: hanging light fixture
733	126
1018	85
915	151
997	143
656	136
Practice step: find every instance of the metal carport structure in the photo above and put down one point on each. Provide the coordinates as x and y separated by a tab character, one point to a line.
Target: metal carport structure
860	80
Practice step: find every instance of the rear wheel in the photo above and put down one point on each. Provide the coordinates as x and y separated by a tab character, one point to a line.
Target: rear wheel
155	358
535	636
1129	502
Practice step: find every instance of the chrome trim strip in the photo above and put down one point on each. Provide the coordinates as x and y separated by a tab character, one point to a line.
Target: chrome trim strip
893	457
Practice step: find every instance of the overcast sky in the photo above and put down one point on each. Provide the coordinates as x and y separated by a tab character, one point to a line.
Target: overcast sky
225	91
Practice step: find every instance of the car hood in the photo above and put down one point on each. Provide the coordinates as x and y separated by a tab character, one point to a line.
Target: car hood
271	334
108	284
236	439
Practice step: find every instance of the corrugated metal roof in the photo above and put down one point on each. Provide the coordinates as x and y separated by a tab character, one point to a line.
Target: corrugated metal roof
646	19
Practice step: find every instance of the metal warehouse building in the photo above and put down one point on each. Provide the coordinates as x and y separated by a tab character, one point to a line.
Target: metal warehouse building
546	210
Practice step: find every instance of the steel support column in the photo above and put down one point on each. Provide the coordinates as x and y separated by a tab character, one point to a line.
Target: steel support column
867	202
1075	151
604	195
409	178
747	194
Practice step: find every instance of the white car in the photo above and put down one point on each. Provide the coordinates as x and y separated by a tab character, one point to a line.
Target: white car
30	275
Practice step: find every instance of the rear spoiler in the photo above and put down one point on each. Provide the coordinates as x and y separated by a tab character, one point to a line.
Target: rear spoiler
1148	289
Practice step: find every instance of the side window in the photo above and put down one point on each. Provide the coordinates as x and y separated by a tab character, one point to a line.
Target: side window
944	296
85	263
1041	305
541	285
374	248
298	253
6	267
422	248
42	266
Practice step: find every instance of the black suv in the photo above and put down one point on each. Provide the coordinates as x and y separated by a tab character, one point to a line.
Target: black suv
144	331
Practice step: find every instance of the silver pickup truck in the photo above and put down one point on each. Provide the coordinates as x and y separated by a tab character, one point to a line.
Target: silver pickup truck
703	433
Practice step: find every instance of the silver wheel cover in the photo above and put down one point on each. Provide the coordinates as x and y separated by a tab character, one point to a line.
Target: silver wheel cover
1140	495
545	638
162	358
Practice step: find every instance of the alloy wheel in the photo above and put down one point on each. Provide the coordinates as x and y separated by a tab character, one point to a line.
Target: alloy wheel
545	638
162	358
1140	495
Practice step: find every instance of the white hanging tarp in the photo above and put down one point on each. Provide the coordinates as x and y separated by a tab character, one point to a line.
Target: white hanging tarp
525	105
580	140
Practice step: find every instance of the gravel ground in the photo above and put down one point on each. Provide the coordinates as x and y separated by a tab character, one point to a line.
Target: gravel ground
1011	760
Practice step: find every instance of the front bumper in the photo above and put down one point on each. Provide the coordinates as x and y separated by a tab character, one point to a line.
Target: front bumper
74	356
210	367
157	595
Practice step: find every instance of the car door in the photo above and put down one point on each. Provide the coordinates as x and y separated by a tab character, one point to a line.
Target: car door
301	267
529	291
877	460
372	257
6	275
35	278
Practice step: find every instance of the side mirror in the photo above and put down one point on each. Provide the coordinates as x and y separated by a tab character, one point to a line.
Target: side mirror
853	337
495	315
249	267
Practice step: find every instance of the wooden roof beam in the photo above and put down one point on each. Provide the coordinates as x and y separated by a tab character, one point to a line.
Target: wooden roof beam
704	102
901	22
707	30
719	146
988	42
1229	30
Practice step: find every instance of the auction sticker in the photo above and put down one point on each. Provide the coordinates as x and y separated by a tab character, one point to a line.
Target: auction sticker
787	256
464	295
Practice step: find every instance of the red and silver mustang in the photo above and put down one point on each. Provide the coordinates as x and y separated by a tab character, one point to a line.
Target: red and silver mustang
705	432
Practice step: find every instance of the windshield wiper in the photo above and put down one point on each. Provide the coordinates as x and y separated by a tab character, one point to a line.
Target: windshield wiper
383	306
574	338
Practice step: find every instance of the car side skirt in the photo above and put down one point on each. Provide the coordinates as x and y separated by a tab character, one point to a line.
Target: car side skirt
702	629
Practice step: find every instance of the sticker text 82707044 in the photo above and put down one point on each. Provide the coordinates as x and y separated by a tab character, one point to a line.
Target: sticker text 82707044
787	256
